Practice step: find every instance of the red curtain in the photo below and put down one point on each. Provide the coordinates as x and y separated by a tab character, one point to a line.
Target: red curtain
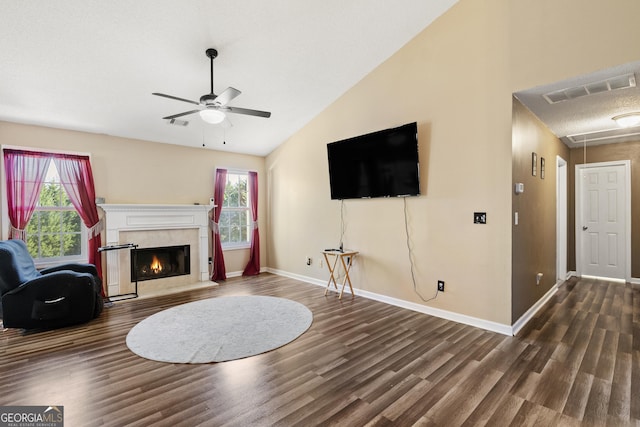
25	172
219	272
77	179
253	267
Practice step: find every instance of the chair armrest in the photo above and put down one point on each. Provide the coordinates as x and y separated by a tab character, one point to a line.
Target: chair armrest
75	267
53	284
79	268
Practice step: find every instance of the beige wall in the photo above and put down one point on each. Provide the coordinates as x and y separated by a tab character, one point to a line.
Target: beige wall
456	80
134	171
606	153
465	149
534	238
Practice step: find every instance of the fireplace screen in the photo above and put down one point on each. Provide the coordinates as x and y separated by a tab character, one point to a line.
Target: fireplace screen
156	263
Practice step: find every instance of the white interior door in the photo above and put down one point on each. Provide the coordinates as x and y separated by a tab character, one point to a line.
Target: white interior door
602	232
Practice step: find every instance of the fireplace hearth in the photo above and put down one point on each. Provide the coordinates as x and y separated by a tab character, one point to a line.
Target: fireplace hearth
160	262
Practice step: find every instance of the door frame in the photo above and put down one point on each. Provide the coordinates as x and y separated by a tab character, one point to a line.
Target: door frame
561	219
627	213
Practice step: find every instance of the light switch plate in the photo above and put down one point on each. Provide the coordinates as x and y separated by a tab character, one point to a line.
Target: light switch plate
479	217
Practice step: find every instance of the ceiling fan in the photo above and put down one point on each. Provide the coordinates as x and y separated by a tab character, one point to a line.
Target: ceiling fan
214	107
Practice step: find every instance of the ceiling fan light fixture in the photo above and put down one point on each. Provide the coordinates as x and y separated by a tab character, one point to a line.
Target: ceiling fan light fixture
627	120
212	116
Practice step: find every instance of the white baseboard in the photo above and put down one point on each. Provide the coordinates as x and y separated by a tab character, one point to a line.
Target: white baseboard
444	314
528	315
231	274
239	273
300	277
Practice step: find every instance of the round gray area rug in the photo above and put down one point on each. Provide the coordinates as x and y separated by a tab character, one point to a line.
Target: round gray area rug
219	329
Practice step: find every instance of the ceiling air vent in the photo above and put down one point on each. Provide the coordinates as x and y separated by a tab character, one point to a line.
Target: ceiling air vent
605	136
177	122
613	83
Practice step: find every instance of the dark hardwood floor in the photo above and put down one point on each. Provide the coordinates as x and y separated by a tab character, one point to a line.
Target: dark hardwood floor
361	363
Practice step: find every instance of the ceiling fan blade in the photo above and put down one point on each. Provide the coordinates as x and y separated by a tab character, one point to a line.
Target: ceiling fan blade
175	116
227	95
246	111
176	98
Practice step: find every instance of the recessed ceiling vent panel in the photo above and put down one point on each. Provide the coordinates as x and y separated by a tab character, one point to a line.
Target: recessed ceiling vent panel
177	122
605	137
613	83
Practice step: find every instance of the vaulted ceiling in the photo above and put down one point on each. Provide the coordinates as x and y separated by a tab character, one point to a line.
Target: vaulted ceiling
92	65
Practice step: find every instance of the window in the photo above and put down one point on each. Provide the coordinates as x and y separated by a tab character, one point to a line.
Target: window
235	219
55	232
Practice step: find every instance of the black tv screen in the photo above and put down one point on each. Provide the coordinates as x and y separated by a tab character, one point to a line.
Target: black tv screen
378	164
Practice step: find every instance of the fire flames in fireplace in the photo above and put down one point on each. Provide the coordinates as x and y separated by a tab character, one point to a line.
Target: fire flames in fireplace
156	266
156	263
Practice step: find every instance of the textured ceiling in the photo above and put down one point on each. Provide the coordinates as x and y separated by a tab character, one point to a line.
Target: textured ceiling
589	117
92	65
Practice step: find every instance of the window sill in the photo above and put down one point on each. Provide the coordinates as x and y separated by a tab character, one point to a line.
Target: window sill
236	247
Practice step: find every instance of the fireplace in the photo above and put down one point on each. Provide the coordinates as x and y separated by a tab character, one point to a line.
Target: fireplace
154	226
160	262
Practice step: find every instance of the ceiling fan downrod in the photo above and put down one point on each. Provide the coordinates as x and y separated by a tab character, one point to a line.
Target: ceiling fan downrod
212	54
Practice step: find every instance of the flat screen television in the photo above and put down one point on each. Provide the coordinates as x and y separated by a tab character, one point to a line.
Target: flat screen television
378	164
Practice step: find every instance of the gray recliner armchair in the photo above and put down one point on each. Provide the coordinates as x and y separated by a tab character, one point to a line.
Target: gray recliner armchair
50	298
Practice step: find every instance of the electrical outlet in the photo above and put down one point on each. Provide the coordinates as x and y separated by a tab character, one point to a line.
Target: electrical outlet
440	285
308	260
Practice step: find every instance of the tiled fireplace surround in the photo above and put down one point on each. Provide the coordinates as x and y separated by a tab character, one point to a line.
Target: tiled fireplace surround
151	226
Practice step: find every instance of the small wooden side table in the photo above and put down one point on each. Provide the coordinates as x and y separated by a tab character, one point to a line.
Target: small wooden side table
346	260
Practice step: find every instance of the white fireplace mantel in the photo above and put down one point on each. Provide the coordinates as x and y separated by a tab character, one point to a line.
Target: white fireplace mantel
145	217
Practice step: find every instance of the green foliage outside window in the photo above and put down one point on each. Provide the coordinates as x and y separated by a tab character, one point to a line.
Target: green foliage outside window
234	223
55	228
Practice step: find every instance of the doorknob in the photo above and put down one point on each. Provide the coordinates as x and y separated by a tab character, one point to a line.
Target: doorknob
584	228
